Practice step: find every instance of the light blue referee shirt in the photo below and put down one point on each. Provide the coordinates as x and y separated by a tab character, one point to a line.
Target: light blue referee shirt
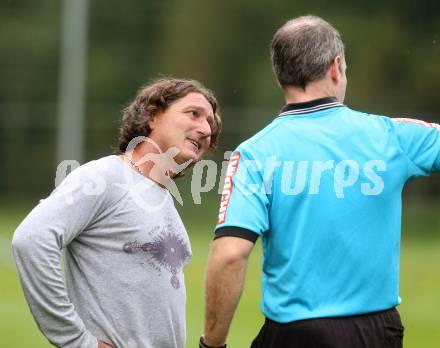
321	185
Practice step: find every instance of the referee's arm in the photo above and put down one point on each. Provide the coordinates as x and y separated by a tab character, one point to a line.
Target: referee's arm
224	283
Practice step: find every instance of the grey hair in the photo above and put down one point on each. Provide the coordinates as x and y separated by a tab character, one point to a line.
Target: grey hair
303	49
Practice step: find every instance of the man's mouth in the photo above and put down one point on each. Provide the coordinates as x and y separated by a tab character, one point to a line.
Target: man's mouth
195	143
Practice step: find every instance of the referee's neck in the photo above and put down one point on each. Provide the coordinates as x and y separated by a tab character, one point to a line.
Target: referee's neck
314	90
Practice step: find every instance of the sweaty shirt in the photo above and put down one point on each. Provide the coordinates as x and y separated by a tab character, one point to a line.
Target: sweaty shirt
321	185
124	250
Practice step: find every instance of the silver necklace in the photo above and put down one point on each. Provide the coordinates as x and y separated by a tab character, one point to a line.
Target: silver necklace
135	166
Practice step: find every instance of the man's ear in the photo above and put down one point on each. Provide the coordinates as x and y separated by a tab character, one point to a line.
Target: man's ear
335	69
152	122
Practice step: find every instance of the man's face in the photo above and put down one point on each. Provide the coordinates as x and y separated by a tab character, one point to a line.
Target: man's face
186	124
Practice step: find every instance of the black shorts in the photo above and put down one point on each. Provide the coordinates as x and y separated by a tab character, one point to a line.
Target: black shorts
375	330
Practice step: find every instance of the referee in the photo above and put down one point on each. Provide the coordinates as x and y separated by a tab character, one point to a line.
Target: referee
321	186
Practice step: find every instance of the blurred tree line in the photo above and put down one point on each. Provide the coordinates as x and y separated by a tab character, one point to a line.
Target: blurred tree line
393	56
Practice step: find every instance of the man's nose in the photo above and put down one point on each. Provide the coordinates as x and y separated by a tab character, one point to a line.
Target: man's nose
204	128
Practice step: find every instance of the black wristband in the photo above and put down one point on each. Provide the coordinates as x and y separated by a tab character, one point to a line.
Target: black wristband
202	344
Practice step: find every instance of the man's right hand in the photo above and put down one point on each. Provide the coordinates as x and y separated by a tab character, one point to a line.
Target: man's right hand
104	345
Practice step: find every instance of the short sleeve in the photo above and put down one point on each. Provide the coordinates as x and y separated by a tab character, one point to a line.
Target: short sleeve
244	202
420	142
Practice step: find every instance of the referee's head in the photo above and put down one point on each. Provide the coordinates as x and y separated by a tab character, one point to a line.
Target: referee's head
304	50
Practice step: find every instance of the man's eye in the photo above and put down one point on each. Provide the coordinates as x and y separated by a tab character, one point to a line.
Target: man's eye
193	113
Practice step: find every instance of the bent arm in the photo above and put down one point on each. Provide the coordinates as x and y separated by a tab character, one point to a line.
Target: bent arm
38	262
225	276
37	245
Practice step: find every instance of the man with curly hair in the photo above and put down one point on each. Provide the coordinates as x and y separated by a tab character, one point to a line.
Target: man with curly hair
124	243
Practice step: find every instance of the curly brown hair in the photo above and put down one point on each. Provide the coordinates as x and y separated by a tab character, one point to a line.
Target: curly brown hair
157	97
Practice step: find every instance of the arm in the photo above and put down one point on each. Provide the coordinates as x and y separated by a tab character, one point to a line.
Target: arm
420	141
225	276
37	245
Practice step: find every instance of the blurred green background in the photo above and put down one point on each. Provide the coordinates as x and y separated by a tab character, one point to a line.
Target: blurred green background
393	56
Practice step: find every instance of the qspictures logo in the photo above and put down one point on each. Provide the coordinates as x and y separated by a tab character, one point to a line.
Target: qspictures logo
301	177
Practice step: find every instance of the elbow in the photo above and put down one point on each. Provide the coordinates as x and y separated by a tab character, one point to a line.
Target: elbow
232	259
230	254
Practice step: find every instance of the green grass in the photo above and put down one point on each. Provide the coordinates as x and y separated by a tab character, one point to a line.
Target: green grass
248	318
420	283
420	289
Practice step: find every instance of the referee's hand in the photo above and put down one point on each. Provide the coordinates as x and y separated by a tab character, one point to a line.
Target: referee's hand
104	345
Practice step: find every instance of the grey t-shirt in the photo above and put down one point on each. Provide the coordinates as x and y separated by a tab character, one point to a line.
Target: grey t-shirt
125	248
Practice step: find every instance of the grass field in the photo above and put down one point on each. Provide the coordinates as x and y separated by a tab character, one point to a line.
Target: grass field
420	283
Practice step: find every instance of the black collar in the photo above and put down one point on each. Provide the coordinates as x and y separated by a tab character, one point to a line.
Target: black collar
310	106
